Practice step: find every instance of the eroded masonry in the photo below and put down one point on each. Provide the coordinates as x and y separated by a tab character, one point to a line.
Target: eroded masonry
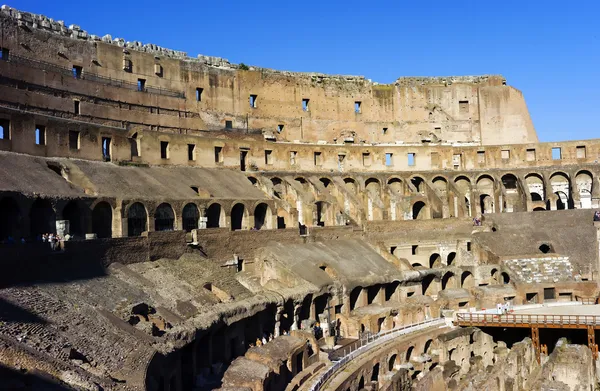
231	227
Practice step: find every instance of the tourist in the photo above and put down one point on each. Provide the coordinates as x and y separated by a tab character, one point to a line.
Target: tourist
597	216
258	342
264	340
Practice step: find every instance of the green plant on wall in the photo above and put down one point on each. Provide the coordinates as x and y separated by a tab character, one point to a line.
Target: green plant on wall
244	67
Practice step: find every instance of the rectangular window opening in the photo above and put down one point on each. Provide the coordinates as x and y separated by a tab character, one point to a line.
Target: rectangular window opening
317	158
305	104
481	157
158	71
463	106
141	85
228	124
192	152
268	157
530	155
556	153
581	153
389	159
279	128
199	94
218	154
411	159
505	154
74	140
4	129
414	249
4	54
40	135
253	101
385	130
293	157
77	71
164	149
76	105
106	142
366	159
468	246
357	107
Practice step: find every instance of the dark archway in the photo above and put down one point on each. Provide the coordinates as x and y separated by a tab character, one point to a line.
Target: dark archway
190	217
237	217
137	219
213	216
10	219
451	258
74	213
435	260
354	296
418	212
261	216
164	218
42	218
321	209
102	220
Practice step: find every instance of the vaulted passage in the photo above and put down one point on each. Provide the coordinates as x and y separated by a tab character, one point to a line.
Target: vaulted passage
10	219
137	219
42	218
75	215
190	215
164	219
237	217
102	220
213	216
262	216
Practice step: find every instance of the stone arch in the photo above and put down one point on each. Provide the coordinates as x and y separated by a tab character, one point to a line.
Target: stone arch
322	214
361	383
427	346
137	219
435	260
355	296
467	280
561	187
450	259
509	182
408	354
463	184
440	184
375	373
504	278
75	214
535	186
420	211
584	182
164	217
326	182
448	281
239	216
263	216
395	185
42	217
10	219
278	188
190	217
350	184
102	216
419	183
215	216
392	362
372	184
486	203
430	285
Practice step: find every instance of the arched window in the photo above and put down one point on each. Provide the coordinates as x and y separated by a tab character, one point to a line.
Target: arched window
102	220
237	217
164	218
190	216
137	219
74	214
262	216
42	218
214	215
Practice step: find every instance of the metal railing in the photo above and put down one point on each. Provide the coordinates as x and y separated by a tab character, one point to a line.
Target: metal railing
360	346
85	75
534	319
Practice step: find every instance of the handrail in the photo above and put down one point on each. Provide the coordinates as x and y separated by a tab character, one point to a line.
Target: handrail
369	342
85	75
528	318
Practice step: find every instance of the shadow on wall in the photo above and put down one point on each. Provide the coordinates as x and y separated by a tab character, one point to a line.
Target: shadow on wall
30	381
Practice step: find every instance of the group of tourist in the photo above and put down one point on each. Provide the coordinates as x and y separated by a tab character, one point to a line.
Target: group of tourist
53	239
477	222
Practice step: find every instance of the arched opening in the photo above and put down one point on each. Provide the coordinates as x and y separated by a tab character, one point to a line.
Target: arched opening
409	353
463	184
509	181
137	219
535	185
538	209
419	210
350	185
214	216
429	285
584	182
561	187
190	217
395	186
326	182
392	362
504	278
42	218
440	184
262	216
375	373
253	180
435	260
355	295
545	248
486	203
10	219
321	211
427	346
450	259
467	280
237	216
278	189
102	220
164	218
418	183
361	383
74	214
448	281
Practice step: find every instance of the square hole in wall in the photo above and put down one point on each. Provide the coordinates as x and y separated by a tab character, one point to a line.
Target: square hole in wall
481	157
279	128
199	92
530	155
191	152
40	135
4	52
218	154
253	99
4	129
505	154
77	71
385	130
228	124
463	106
411	159
305	104
317	158
581	152
76	107
414	249
74	140
268	157
164	149
357	107
141	85
389	159
366	159
293	155
556	153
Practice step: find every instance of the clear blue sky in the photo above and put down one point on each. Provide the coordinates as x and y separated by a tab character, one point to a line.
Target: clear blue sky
548	49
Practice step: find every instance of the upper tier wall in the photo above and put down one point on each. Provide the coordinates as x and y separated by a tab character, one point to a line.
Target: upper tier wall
480	110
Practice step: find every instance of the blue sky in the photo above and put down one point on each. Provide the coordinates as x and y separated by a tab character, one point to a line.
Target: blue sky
548	49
